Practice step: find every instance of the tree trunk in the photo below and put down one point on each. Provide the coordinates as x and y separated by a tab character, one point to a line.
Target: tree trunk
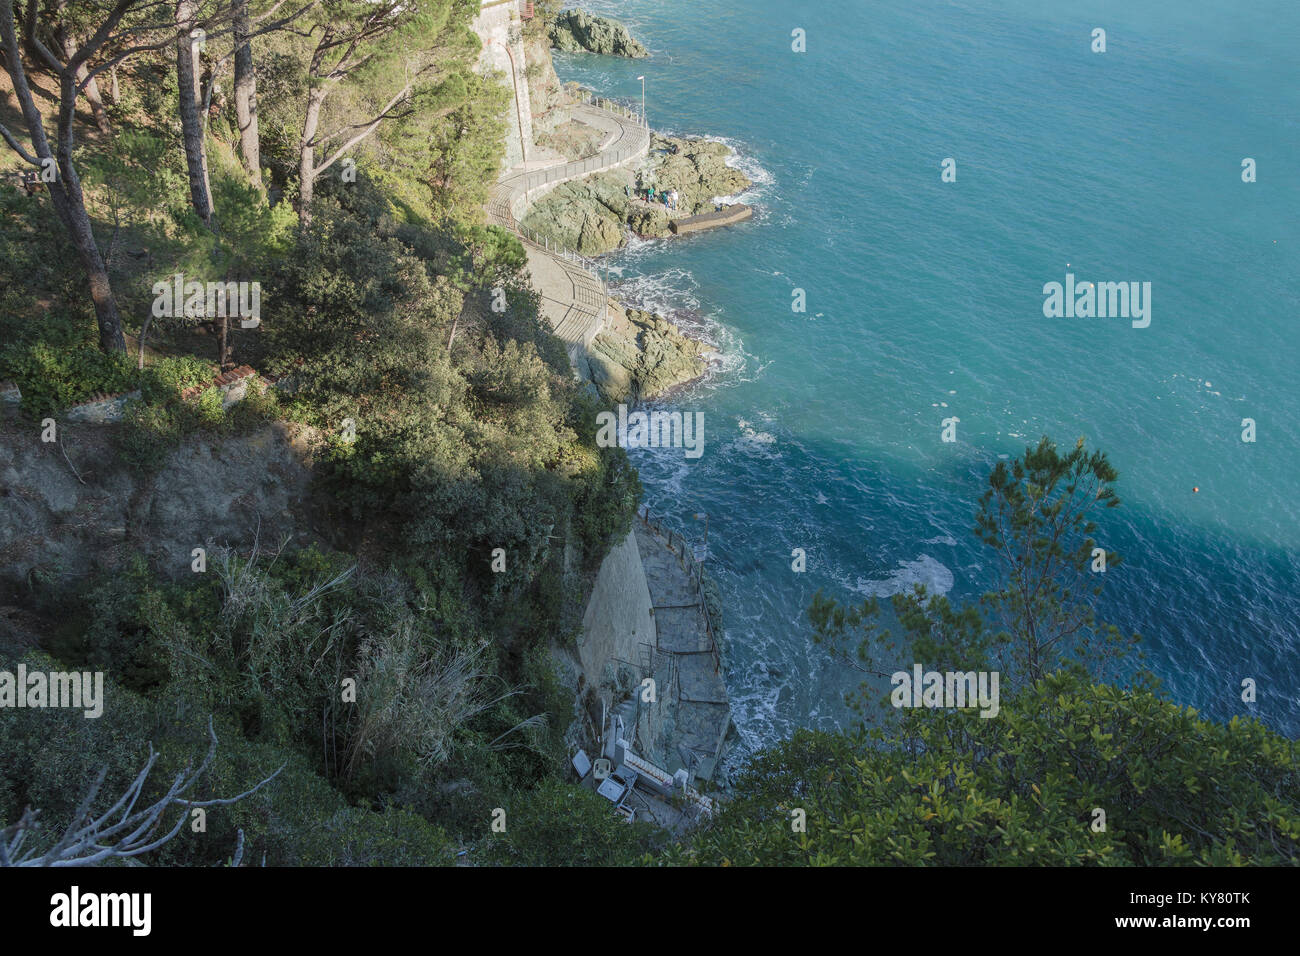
246	96
196	158
223	345
96	102
72	210
307	158
65	193
92	88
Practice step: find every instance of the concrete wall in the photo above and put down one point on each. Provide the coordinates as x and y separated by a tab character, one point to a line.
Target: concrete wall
618	619
499	27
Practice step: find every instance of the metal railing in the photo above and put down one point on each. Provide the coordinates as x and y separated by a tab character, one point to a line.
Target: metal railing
555	248
632	142
612	106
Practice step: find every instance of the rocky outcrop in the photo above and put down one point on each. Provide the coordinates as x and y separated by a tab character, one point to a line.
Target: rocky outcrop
696	168
649	222
575	31
573	140
643	355
587	215
593	215
545	92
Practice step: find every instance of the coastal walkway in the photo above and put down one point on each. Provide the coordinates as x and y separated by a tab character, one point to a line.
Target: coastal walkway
573	295
684	634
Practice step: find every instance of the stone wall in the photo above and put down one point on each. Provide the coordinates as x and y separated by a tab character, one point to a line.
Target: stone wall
618	620
500	27
101	409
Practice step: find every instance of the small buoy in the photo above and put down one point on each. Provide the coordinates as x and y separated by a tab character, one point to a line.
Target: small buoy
1195	489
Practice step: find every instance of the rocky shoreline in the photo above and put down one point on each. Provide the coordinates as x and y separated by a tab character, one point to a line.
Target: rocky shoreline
642	355
576	31
596	215
639	355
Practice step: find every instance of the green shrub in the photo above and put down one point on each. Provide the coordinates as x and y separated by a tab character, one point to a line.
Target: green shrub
207	410
54	375
166	378
260	405
50	756
149	433
559	824
1021	789
356	836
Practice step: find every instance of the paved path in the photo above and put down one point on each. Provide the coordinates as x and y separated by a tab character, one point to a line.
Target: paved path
703	710
573	297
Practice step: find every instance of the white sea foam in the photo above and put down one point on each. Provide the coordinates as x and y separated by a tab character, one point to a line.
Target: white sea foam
672	294
924	570
942	539
742	159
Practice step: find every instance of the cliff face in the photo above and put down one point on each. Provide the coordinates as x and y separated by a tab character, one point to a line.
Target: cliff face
545	92
207	494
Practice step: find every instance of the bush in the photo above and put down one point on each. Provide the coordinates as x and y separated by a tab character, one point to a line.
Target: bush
1023	788
54	373
128	620
166	378
559	824
149	433
52	755
392	837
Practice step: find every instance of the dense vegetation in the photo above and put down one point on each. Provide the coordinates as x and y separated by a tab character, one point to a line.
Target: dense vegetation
447	428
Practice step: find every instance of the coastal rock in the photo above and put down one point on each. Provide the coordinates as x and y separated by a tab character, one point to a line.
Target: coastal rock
589	215
575	31
599	234
642	356
586	215
668	358
605	361
572	139
650	222
696	168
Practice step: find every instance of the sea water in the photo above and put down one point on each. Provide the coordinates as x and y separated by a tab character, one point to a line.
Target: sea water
925	302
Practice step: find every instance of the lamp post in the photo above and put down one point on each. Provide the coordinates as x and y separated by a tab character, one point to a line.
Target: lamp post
643	120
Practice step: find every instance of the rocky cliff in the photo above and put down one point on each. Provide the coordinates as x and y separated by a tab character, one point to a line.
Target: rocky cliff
64	517
643	355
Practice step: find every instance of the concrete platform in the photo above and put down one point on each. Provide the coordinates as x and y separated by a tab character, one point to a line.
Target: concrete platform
726	216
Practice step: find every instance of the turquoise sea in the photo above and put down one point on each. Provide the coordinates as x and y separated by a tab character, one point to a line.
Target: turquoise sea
924	301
